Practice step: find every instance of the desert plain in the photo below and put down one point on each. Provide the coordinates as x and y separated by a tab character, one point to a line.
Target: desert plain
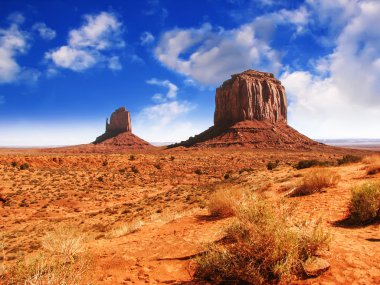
143	215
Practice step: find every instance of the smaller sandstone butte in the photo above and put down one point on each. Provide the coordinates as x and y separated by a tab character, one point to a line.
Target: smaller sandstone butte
250	111
119	132
120	122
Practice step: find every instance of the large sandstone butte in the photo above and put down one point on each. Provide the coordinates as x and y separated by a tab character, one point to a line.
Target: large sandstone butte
250	110
119	132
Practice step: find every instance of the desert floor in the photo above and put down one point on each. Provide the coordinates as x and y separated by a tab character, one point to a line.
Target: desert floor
164	195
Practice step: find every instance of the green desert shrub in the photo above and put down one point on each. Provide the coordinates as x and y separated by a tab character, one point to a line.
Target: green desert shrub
349	159
272	165
365	203
302	164
265	244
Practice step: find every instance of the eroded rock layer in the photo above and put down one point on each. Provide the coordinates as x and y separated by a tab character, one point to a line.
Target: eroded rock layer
250	95
250	111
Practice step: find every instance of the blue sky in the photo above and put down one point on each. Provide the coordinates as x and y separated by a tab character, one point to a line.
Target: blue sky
66	65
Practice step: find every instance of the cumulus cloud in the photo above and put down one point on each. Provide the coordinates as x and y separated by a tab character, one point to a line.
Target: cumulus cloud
210	54
44	31
343	94
165	116
13	43
172	88
91	44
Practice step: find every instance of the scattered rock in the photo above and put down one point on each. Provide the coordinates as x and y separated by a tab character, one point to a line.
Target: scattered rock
315	266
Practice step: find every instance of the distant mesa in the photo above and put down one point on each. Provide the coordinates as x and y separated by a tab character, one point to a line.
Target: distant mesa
251	111
119	132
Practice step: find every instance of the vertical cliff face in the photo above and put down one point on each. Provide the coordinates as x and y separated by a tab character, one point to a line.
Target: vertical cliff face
250	95
250	111
120	122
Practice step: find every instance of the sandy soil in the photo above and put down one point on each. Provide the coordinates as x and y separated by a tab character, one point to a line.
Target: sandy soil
168	191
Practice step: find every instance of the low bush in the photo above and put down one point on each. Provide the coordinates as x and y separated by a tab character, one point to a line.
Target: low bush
365	203
63	261
223	203
349	159
272	165
265	244
24	166
315	181
302	164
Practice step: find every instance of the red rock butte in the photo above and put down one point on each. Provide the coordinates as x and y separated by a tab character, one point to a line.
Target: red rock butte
250	111
119	132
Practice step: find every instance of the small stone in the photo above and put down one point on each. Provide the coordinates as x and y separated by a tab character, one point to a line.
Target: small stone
315	266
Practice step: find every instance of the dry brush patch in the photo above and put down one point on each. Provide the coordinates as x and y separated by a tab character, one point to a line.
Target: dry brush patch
224	202
373	164
265	243
365	203
64	260
315	181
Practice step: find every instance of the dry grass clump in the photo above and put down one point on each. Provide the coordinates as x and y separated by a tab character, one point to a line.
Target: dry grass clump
64	240
315	181
64	261
128	228
223	202
265	244
365	203
373	164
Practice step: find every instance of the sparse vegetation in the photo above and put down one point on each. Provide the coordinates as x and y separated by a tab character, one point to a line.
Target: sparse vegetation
349	158
64	261
365	203
127	228
135	169
24	166
272	165
302	164
223	202
315	181
64	240
265	244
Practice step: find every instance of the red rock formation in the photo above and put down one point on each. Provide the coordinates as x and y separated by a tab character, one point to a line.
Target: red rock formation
250	111
119	133
250	95
120	122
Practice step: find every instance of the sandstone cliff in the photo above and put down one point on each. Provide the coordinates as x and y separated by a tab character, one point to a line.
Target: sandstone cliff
250	111
250	95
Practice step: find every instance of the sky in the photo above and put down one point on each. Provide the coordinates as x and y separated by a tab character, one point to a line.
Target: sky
66	65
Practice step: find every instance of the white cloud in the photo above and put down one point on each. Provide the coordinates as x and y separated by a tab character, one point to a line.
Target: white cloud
44	31
146	38
13	43
102	31
90	44
72	58
166	117
343	99
209	55
172	88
